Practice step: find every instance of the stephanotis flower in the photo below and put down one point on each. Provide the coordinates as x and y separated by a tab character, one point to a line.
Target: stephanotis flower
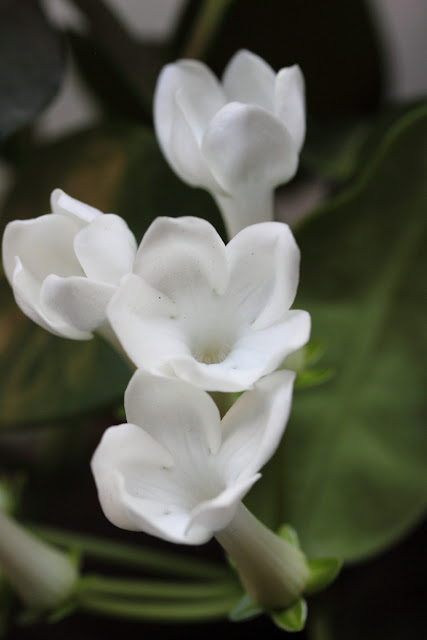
65	266
214	315
42	576
238	139
177	472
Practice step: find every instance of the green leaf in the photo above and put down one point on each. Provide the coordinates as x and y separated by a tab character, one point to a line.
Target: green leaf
32	58
323	571
313	377
288	533
352	463
339	149
44	377
293	618
244	610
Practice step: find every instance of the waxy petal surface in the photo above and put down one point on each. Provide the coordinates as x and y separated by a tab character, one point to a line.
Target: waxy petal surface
246	143
249	79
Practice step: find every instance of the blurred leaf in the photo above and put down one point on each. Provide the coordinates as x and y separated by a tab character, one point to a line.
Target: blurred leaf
338	150
117	169
104	80
44	377
334	43
32	57
133	64
323	571
352	465
293	618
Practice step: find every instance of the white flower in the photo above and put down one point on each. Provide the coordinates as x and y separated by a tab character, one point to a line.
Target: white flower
177	472
214	315
238	139
65	266
42	576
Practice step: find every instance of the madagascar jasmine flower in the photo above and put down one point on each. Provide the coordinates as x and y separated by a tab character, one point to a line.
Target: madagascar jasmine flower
176	471
42	576
214	315
238	139
65	266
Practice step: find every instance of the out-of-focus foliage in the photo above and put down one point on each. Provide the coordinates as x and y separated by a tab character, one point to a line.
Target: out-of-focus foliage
334	43
350	475
32	57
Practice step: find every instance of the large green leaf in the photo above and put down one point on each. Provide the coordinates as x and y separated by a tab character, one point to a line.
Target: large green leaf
351	469
119	169
44	377
32	57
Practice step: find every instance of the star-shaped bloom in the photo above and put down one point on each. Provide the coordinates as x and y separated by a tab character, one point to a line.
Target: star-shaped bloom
238	139
175	470
216	316
65	266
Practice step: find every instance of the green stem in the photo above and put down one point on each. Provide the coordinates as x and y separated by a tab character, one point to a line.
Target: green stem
133	556
206	24
161	612
94	585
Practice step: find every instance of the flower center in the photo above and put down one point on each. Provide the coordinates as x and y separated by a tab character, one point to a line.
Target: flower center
212	352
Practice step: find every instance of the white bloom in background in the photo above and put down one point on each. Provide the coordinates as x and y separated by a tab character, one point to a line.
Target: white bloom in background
214	315
42	576
65	266
238	139
177	472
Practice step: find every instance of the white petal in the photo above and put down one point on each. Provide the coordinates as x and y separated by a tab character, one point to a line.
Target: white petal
204	97
184	151
290	102
254	355
142	318
122	450
185	420
249	79
106	249
181	254
254	425
258	353
245	143
75	301
216	514
264	271
64	204
27	295
44	245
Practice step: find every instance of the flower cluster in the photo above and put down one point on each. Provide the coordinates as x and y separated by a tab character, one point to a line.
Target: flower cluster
193	314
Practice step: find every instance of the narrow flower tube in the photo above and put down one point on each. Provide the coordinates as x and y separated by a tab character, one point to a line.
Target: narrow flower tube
178	472
273	571
238	138
65	266
42	576
215	315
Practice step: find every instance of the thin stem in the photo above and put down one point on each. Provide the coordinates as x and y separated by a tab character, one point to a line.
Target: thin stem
133	556
210	16
119	587
161	612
